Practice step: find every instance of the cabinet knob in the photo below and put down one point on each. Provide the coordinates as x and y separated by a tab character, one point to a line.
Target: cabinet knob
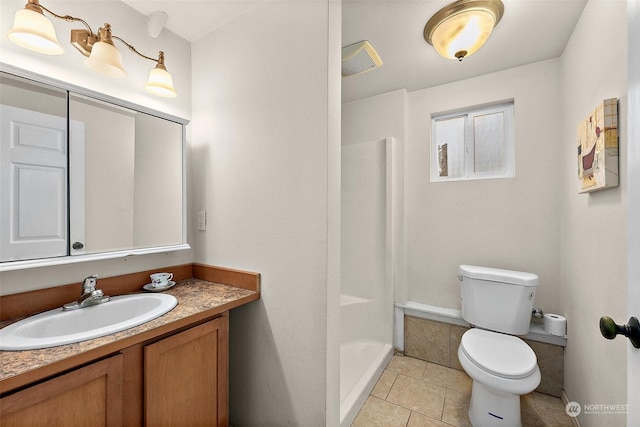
609	329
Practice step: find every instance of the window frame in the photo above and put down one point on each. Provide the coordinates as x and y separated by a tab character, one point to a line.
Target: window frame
508	167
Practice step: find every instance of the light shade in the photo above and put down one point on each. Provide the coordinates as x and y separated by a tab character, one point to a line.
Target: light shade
106	59
34	31
461	28
160	83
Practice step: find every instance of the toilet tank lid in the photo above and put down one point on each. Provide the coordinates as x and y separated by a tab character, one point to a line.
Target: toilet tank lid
498	275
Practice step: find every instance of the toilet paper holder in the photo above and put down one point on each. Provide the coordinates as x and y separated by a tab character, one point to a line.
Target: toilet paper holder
609	329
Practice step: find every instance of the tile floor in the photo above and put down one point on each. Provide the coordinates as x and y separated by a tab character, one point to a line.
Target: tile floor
415	393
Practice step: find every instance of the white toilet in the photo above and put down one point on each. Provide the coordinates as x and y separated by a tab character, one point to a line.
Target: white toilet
502	366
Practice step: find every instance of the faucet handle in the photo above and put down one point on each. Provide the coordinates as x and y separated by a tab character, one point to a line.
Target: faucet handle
89	283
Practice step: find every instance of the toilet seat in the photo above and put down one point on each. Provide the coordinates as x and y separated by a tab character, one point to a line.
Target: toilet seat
502	355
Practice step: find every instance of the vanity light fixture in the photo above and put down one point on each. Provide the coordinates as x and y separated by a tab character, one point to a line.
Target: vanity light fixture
34	31
461	28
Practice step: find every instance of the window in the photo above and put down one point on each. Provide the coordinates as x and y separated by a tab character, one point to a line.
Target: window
476	143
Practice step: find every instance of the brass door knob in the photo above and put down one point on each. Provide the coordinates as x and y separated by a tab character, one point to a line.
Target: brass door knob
609	329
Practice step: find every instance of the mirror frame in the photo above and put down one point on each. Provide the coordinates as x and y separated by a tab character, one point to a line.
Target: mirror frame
72	259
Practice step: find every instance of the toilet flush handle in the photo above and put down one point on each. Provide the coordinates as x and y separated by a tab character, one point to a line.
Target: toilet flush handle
609	329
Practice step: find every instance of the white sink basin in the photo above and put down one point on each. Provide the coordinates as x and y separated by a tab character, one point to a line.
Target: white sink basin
58	327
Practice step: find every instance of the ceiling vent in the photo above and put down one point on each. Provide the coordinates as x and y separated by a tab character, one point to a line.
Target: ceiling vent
359	58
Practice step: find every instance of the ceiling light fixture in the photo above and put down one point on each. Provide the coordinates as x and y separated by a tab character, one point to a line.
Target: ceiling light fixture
34	31
459	29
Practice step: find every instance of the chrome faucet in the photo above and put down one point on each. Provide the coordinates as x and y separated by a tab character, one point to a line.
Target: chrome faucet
90	295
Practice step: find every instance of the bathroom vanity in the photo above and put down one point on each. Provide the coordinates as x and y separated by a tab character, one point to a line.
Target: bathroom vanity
172	370
88	186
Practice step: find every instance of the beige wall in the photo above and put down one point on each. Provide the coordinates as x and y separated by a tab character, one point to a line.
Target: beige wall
266	169
594	225
509	223
374	118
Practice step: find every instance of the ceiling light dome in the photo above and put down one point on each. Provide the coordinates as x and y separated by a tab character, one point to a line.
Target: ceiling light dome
461	28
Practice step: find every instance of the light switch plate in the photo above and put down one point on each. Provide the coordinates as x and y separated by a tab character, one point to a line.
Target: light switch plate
202	220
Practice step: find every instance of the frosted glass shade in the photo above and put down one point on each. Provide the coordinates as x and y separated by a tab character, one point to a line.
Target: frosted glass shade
106	59
160	83
34	31
463	34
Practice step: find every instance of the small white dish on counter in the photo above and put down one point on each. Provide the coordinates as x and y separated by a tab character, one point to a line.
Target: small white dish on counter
149	287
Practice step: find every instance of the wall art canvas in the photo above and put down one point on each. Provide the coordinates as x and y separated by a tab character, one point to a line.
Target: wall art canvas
598	148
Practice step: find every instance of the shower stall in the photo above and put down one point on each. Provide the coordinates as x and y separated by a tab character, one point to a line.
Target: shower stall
367	270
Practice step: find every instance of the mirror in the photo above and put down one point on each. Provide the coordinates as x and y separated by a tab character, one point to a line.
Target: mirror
84	177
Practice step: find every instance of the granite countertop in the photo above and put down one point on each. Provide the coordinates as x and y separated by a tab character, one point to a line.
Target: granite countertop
196	298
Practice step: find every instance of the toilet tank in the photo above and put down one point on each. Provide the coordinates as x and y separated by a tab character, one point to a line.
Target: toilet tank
498	300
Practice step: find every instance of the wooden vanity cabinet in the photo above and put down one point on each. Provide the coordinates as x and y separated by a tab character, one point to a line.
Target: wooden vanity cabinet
176	380
87	396
186	377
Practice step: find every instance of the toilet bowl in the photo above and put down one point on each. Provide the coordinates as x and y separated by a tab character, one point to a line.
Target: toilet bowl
498	304
502	367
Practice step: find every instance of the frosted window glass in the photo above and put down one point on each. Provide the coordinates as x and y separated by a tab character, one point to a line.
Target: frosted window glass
476	143
450	147
488	134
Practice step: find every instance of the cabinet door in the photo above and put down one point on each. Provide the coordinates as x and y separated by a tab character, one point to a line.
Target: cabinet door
186	377
88	396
